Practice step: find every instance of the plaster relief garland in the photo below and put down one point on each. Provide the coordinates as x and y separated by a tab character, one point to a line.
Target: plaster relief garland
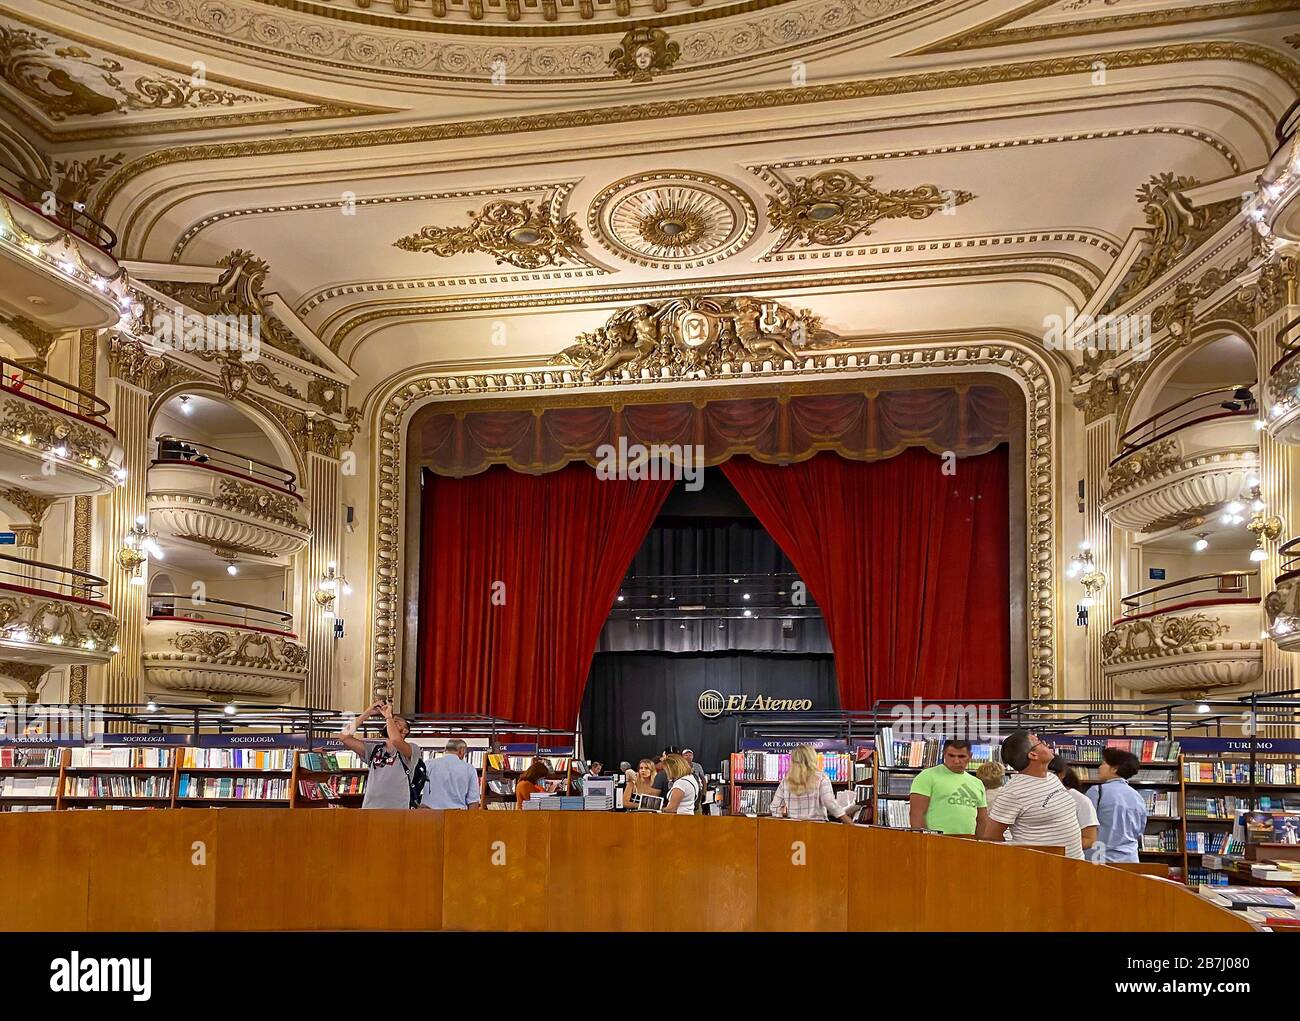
392	412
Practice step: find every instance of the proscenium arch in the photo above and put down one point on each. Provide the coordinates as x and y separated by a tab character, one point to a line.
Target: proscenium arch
285	448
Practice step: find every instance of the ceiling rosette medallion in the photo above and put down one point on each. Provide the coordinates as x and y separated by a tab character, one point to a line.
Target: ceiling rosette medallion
518	233
834	207
672	219
694	337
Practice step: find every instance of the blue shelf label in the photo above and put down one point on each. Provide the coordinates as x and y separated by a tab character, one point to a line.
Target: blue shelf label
252	740
786	744
1156	574
8	538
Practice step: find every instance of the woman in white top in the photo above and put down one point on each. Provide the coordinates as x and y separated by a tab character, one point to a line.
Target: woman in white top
685	789
1087	813
805	791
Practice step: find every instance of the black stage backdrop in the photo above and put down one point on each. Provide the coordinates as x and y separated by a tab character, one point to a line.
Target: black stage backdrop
623	686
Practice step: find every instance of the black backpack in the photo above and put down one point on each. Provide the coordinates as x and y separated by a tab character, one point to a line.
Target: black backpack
418	777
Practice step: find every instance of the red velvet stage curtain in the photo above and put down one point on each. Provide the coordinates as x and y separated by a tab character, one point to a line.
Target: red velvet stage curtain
559	544
909	566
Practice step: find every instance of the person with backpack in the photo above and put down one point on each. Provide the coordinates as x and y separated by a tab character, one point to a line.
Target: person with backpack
684	793
453	782
392	763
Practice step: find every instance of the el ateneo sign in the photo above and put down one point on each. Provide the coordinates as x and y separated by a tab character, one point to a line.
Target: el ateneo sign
713	704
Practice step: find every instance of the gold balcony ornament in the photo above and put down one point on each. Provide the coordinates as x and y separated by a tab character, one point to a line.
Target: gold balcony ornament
642	53
1083	567
511	232
331	587
138	545
834	207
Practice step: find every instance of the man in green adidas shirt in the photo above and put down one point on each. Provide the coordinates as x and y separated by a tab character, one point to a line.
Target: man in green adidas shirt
947	798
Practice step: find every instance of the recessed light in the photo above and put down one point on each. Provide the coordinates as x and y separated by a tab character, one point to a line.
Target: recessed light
37	300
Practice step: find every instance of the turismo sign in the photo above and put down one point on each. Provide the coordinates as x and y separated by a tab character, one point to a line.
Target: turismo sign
713	704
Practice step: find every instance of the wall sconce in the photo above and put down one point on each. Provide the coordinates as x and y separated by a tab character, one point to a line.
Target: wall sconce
331	586
1083	567
1269	527
138	545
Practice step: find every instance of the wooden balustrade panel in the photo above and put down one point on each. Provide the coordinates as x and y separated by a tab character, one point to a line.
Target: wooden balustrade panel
269	869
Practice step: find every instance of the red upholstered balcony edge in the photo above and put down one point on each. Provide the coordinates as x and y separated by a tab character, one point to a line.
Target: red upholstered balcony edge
25	590
168	463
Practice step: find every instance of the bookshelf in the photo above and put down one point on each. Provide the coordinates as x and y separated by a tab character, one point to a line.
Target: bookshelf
502	769
30	777
124	771
329	776
898	761
755	770
237	769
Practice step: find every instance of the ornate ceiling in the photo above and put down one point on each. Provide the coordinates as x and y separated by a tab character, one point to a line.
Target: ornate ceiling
480	182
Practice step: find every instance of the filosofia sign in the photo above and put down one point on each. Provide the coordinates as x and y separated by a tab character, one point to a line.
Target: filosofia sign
713	704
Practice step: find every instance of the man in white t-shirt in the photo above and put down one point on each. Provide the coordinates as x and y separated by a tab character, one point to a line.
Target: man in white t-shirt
1035	807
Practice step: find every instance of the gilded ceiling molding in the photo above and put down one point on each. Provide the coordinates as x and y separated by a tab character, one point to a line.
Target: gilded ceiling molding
1104	243
1065	268
511	232
643	53
390	413
39	340
1177	229
555	52
31	504
996	33
1287	69
672	219
694	337
75	179
834	207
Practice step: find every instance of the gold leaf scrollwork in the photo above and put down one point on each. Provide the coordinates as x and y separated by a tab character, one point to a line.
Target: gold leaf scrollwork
1161	635
266	652
511	232
834	207
643	53
1148	462
48	430
242	496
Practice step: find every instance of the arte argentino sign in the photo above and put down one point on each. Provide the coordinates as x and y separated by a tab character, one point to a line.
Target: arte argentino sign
713	704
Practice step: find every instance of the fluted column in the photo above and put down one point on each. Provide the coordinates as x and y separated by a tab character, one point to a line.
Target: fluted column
27	546
124	674
1278	476
317	630
1108	553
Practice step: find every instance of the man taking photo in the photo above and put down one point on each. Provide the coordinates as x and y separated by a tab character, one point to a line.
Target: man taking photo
391	762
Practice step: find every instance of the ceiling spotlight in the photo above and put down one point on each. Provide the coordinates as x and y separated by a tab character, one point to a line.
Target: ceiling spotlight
748	613
1260	424
1202	707
745	596
152	707
1235	507
1258	555
232	569
186	407
229	709
620	597
1202	543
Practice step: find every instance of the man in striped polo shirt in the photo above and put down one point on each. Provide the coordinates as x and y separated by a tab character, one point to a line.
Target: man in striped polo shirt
1035	807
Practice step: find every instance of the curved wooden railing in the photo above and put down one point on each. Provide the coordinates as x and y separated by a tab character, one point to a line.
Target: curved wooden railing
41	388
1221	402
72	216
1223	588
552	871
1288	339
219	613
182	450
39	578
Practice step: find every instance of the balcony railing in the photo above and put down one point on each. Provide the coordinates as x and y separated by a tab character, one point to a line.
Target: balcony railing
219	613
1289	340
1223	588
37	577
1223	402
180	450
17	187
33	385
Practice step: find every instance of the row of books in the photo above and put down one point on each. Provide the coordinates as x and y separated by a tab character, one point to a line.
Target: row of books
1272	773
1089	774
1160	804
895	813
108	785
1201	842
772	766
1165	840
1206	877
1280	871
502	762
122	758
1203	806
270	759
239	788
568	803
333	788
923	753
328	762
28	786
29	758
753	801
1146	749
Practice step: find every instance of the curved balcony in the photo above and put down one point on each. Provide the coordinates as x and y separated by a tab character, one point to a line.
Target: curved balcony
56	269
1190	635
54	437
203	495
1183	462
1284	387
219	648
1282	605
1278	208
50	616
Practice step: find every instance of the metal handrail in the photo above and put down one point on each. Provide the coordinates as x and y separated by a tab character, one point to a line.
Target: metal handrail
83	584
1289	345
1132	602
164	605
68	215
16	379
267	473
1221	399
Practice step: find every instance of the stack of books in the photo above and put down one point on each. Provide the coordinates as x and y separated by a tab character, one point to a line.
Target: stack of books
233	788
333	788
1276	871
122	758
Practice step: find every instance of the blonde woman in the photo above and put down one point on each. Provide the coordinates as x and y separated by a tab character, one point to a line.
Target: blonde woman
639	783
991	774
805	791
685	789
